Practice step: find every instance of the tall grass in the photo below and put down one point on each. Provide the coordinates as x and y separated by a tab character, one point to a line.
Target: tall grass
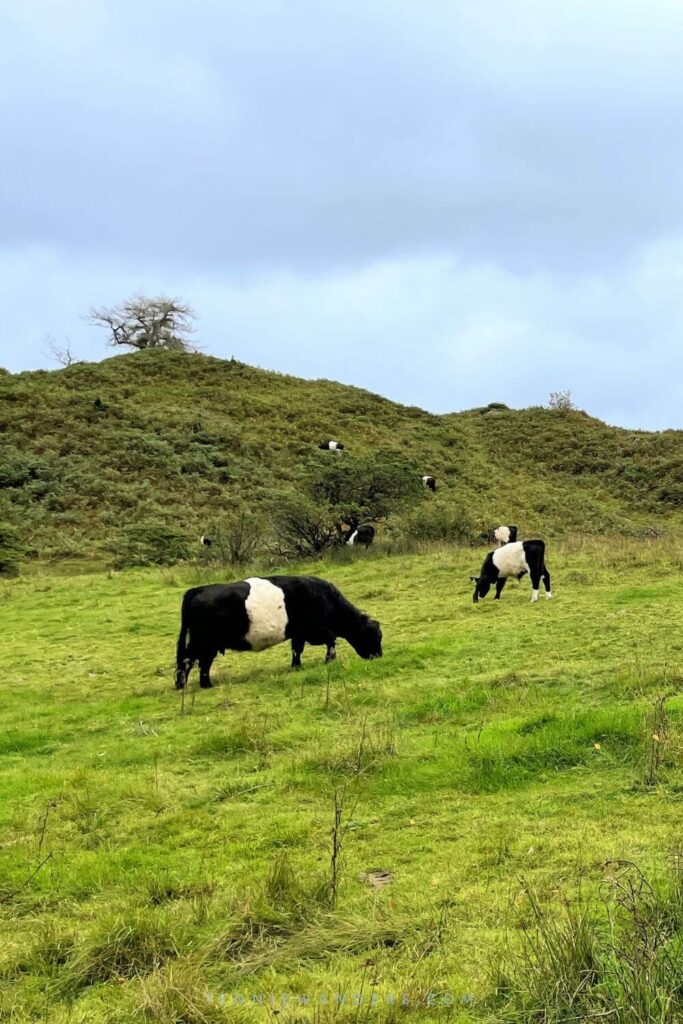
617	957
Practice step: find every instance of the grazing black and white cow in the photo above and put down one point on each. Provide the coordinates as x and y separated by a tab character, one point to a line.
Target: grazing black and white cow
515	559
430	482
505	534
205	541
260	612
331	446
363	535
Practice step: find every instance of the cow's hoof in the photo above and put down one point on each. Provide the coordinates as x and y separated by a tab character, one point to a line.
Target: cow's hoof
548	597
206	685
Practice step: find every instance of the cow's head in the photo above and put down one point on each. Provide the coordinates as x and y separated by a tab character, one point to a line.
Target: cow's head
482	585
368	642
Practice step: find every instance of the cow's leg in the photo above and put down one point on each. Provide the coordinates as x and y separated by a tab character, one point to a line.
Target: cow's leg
205	663
297	651
183	674
546	582
535	573
500	583
331	651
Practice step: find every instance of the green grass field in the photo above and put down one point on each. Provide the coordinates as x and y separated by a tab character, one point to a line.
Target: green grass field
172	863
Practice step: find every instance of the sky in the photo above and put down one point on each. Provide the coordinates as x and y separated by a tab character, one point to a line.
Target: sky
449	202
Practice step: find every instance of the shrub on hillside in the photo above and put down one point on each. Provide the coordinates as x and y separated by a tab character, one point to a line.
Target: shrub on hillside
337	494
237	538
561	401
10	550
360	488
436	520
302	528
18	469
149	543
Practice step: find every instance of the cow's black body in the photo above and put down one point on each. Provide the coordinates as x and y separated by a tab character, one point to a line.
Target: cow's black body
513	559
429	482
216	618
335	446
363	535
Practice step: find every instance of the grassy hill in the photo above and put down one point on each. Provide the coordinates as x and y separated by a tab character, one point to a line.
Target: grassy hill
179	440
507	777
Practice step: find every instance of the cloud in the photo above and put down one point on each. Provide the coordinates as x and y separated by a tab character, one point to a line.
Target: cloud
262	133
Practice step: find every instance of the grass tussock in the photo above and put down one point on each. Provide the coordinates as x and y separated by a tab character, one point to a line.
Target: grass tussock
493	761
374	746
179	994
120	947
290	918
49	949
166	887
249	736
279	908
614	958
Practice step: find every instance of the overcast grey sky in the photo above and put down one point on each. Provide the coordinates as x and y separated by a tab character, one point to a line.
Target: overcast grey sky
449	202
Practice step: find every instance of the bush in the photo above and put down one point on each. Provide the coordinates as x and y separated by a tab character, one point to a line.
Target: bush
11	551
237	538
17	469
561	401
363	489
151	543
437	520
302	529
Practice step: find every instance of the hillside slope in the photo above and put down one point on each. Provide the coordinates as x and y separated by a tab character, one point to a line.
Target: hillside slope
181	439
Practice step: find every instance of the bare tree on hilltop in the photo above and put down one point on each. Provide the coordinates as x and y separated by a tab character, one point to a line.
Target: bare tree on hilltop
148	322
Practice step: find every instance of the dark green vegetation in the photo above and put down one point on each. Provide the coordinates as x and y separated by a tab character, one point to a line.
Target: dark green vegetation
132	458
501	762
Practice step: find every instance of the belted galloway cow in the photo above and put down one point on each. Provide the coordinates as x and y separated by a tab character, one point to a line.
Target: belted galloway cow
260	612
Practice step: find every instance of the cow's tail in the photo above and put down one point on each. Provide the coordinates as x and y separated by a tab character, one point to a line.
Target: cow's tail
183	662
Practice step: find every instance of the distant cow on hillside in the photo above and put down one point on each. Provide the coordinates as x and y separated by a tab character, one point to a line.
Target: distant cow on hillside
331	446
363	535
501	535
515	559
429	482
260	612
205	541
505	534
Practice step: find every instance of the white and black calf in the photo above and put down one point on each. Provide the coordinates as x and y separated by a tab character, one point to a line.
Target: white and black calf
260	612
429	482
205	541
505	534
331	446
515	559
363	535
